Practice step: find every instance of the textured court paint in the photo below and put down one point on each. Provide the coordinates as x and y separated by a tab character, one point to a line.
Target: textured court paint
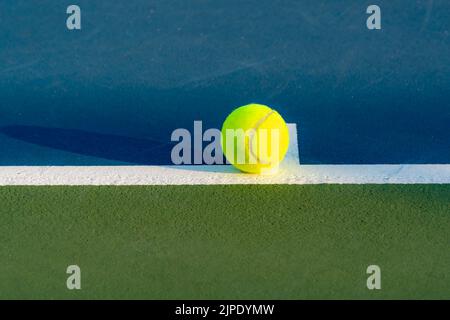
236	242
224	175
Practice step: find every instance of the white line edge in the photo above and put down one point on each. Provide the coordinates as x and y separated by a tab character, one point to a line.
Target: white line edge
291	172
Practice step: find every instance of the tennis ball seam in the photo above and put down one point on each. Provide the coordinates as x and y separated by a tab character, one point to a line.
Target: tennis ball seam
253	133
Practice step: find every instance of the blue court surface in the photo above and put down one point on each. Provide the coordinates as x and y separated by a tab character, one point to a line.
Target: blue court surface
113	92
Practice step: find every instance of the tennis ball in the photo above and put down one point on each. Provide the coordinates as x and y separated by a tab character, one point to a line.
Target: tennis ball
255	139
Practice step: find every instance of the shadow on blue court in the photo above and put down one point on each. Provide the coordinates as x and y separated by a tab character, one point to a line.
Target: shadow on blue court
112	147
113	92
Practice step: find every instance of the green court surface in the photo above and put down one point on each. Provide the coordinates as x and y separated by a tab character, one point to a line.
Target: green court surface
231	242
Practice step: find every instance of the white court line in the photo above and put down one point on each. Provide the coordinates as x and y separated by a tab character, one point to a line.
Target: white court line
291	172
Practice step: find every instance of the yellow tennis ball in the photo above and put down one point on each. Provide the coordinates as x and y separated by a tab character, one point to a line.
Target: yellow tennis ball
255	139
